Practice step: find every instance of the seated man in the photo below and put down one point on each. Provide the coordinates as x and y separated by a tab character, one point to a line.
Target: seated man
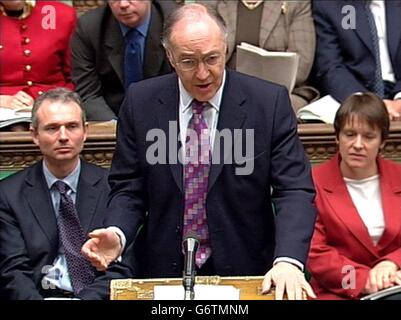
105	40
47	209
359	50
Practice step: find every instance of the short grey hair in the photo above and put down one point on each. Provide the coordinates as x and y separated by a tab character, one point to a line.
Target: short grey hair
56	95
197	10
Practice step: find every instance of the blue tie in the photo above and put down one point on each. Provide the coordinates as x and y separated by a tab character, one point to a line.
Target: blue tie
132	58
378	84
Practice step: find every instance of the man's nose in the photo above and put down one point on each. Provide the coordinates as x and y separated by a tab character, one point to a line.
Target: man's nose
124	3
202	71
63	133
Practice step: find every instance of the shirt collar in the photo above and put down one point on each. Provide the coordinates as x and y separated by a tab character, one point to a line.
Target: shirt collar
142	29
186	98
71	180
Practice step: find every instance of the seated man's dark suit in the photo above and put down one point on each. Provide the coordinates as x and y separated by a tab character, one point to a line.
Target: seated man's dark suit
244	232
29	239
344	60
98	58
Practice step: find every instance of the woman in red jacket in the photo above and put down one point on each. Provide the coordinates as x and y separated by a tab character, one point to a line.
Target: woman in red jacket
34	49
356	246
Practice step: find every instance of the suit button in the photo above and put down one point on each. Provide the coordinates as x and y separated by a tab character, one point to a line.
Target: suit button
29	83
28	67
26	41
175	266
178	229
24	27
40	93
27	52
1	46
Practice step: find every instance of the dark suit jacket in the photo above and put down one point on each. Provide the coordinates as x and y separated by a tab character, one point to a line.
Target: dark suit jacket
344	60
98	58
245	234
341	239
29	235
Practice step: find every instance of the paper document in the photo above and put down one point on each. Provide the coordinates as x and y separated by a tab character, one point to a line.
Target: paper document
202	292
322	110
277	67
12	116
385	293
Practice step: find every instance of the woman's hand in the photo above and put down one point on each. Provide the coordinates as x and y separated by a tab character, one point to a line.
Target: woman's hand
20	100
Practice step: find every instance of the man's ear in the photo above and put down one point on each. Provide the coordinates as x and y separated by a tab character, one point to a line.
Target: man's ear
170	58
86	126
34	135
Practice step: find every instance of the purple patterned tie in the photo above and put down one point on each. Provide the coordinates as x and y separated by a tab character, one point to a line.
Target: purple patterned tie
196	174
72	237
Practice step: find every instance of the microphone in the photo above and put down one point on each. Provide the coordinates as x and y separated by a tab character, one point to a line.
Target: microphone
189	246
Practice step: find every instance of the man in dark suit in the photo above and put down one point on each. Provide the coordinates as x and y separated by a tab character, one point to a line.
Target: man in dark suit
345	60
98	51
34	257
154	197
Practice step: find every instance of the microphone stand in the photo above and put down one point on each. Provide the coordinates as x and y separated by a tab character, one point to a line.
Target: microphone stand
189	245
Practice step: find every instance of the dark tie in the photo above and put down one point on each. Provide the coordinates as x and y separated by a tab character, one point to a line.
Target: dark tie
132	58
72	238
196	174
378	84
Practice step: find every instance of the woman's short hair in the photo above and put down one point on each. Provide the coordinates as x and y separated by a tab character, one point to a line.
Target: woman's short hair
363	106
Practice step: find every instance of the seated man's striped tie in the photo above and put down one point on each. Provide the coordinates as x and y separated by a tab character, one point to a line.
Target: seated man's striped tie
72	237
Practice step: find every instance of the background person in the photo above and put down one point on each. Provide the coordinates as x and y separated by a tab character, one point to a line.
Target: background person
34	50
275	26
356	248
362	57
114	46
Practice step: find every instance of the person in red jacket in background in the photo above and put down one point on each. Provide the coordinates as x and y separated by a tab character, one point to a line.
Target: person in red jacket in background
356	246
34	50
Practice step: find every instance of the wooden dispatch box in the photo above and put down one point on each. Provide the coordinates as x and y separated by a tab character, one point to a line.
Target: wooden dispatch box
142	289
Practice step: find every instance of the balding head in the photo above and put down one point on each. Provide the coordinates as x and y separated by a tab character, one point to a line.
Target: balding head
189	15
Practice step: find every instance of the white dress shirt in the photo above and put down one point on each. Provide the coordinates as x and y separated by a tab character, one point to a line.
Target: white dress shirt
366	197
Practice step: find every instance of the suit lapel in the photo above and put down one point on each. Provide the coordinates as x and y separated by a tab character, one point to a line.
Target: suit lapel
114	44
87	196
231	116
154	51
270	15
38	197
166	113
393	29
391	199
344	208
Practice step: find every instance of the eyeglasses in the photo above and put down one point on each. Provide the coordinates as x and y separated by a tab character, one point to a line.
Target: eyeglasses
190	64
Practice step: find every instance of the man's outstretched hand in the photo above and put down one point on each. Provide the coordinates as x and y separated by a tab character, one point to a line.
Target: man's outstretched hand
102	248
